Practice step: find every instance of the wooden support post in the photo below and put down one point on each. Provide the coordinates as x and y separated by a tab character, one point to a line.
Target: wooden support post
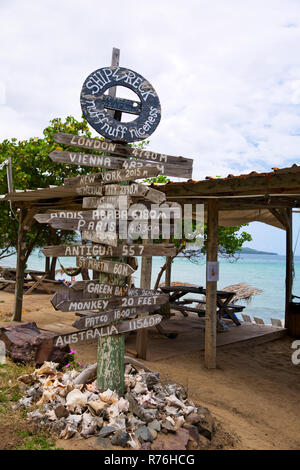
145	283
211	286
21	248
110	359
289	264
47	265
9	176
168	271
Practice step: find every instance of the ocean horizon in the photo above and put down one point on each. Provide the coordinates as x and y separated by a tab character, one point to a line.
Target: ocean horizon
265	272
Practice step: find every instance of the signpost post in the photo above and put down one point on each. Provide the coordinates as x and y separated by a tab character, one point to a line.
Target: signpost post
108	307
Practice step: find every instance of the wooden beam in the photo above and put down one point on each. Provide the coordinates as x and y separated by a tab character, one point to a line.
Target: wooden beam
211	287
279	216
145	283
168	271
289	265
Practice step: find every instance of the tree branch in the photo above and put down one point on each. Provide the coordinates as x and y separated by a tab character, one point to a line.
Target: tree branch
163	268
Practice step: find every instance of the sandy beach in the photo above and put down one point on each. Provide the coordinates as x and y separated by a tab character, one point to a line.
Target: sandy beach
253	393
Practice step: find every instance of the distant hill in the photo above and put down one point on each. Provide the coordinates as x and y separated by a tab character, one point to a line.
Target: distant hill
251	251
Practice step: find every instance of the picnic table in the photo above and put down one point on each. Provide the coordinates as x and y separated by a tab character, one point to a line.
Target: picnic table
225	307
31	275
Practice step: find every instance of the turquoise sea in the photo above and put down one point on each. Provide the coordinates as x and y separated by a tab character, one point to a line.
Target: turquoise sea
266	272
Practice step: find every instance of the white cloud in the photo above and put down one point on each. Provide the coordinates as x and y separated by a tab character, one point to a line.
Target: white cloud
227	73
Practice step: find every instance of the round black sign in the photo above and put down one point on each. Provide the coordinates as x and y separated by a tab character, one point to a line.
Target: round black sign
95	104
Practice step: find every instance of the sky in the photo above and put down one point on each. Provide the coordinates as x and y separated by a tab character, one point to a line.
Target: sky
227	74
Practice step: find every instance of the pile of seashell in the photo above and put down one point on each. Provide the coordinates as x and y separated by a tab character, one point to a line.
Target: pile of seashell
73	409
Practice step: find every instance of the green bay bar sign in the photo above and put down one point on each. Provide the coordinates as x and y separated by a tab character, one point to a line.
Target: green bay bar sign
108	330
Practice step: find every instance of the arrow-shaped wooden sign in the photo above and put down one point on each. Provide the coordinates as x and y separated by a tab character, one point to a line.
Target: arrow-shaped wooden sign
114	329
99	288
135	190
107	238
95	319
111	267
136	212
87	216
113	176
87	159
106	304
117	149
81	225
96	287
69	294
162	249
182	170
106	201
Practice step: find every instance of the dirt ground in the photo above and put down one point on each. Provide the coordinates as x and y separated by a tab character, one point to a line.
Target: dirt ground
254	392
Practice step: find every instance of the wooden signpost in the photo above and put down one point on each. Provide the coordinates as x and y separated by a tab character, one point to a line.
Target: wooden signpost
104	304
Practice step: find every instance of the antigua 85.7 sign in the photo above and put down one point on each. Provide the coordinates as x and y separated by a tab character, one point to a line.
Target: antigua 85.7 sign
96	104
